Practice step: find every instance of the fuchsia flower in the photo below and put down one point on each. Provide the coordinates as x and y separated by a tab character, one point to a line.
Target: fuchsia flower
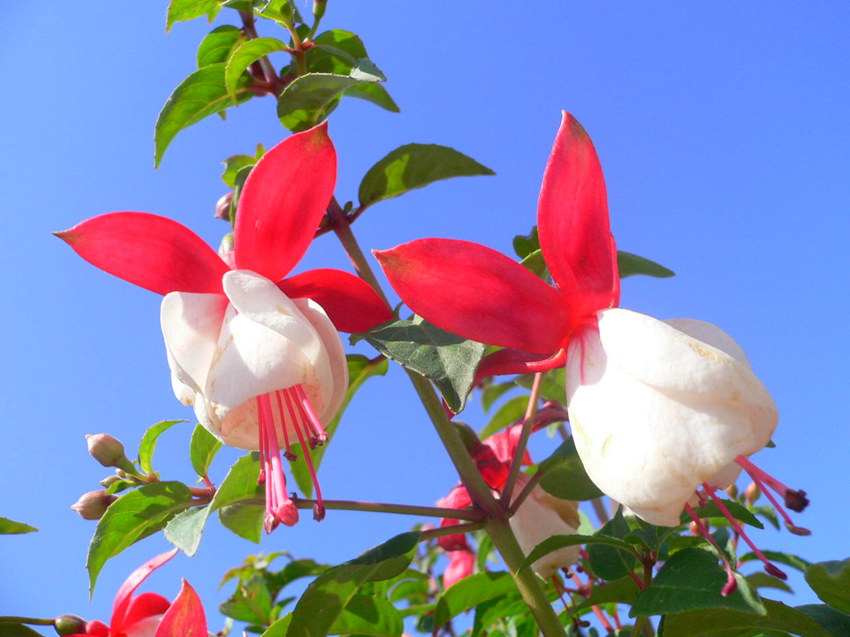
662	413
149	614
259	356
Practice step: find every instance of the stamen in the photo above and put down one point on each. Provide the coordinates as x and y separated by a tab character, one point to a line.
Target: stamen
731	584
794	500
793	528
768	566
279	508
313	421
286	453
298	422
263	445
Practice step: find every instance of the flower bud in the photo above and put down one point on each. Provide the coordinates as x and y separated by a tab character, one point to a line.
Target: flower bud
319	8
732	490
108	481
69	625
107	450
92	505
753	493
222	207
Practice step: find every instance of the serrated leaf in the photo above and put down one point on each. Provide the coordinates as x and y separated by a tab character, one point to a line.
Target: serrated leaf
10	527
251	602
831	620
607	561
248	53
469	592
183	10
148	444
415	166
693	580
631	264
132	517
508	413
760	579
309	99
184	530
219	43
360	369
447	360
831	583
564	475
738	511
709	622
327	596
202	449
557	542
200	95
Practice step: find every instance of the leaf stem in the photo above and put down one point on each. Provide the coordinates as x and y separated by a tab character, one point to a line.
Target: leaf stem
268	68
401	509
526	491
33	621
522	443
451	530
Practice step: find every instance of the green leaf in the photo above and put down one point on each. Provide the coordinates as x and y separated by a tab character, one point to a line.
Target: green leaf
414	166
148	444
525	244
492	393
245	520
830	619
508	413
200	95
556	542
621	591
536	264
447	360
693	580
184	530
710	622
14	629
326	597
132	517
202	449
248	53
554	385
650	536
279	628
251	602
630	264
780	558
233	166
219	43
183	10
296	569
608	561
239	485
309	99
564	475
367	615
360	369
831	582
10	527
738	511
471	591
238	184
760	579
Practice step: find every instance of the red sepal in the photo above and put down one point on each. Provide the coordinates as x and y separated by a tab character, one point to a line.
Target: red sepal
511	361
477	293
186	616
283	201
97	629
456	542
461	565
150	251
350	303
125	593
572	222
143	606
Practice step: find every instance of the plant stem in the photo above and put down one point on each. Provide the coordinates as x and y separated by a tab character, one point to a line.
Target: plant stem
527	421
599	508
33	621
638	626
526	490
402	509
451	530
268	68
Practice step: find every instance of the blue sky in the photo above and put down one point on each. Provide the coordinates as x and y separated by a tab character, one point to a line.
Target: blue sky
723	133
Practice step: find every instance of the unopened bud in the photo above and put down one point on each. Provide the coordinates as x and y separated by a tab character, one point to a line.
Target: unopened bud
319	8
69	625
226	249
107	450
108	481
694	529
222	207
732	491
92	505
753	493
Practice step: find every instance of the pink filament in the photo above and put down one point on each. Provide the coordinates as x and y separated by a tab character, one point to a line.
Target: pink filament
279	507
298	419
794	500
731	583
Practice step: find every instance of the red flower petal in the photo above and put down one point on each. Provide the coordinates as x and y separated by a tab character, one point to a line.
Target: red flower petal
153	252
185	617
350	302
461	564
122	599
511	361
477	293
456	542
572	222
143	606
283	201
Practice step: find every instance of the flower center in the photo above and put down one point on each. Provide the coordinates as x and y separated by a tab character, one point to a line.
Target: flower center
290	411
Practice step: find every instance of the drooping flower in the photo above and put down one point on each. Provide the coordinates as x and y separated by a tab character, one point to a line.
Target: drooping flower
150	614
258	355
662	413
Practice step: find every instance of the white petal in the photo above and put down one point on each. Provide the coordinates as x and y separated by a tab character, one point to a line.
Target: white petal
145	627
656	412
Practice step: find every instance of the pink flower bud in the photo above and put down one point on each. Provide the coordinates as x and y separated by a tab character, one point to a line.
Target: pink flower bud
107	450
753	493
92	505
69	625
222	207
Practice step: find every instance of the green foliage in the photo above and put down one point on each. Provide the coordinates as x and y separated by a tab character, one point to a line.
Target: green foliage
508	413
607	560
470	592
447	360
564	475
202	450
631	264
831	582
711	510
15	629
183	10
218	45
240	485
246	54
10	527
148	444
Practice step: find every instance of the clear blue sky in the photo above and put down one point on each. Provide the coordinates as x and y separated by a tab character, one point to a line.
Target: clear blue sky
723	131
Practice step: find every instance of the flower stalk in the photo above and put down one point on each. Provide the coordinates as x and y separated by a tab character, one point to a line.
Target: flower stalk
519	454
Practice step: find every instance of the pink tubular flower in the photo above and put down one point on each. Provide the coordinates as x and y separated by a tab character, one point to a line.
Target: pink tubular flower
461	563
259	356
662	413
149	614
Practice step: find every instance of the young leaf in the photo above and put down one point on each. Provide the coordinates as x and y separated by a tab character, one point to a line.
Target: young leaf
183	10
778	616
202	449
132	517
201	94
831	583
233	166
607	561
564	475
248	53
184	530
415	166
525	244
631	264
148	444
693	580
447	360
10	527
360	369
310	98
471	591
219	43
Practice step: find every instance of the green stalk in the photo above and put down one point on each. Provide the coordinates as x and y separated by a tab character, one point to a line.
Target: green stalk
401	509
522	443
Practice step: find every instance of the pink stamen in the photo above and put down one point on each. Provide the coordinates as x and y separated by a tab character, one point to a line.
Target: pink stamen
287	453
313	421
263	445
768	566
298	418
794	500
793	528
731	584
279	507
